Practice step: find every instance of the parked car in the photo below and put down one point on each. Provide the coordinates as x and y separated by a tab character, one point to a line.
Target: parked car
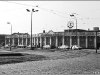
76	47
64	47
47	46
20	46
13	46
53	47
6	46
29	46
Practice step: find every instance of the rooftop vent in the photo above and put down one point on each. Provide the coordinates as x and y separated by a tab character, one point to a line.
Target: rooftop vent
43	31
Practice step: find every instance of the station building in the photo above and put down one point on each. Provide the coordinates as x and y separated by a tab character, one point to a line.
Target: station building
83	38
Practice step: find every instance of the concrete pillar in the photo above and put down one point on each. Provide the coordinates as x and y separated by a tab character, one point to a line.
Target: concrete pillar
56	41
40	41
78	40
13	41
9	41
34	41
44	40
26	41
22	40
50	41
63	40
70	41
37	41
86	42
18	40
95	42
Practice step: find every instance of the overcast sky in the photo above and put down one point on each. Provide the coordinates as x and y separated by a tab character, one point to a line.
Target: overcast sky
52	15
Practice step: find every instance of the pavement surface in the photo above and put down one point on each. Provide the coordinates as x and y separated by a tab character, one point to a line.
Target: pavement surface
60	64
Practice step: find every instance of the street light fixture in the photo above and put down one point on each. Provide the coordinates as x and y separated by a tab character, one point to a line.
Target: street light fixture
72	15
11	36
32	10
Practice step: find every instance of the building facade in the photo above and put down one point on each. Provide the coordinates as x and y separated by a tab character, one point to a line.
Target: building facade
2	39
82	38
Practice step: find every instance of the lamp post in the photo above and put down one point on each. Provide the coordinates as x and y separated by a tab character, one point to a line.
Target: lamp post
72	15
32	10
11	36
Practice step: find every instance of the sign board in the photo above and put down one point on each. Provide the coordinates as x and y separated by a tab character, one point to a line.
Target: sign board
70	24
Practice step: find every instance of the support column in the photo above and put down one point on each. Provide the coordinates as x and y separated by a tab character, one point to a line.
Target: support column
13	41
18	41
34	41
9	41
86	42
40	41
50	40
37	41
56	41
45	41
22	40
78	40
95	42
63	40
26	41
70	41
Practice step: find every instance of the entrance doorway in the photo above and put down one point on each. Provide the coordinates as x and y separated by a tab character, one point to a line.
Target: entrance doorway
98	45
